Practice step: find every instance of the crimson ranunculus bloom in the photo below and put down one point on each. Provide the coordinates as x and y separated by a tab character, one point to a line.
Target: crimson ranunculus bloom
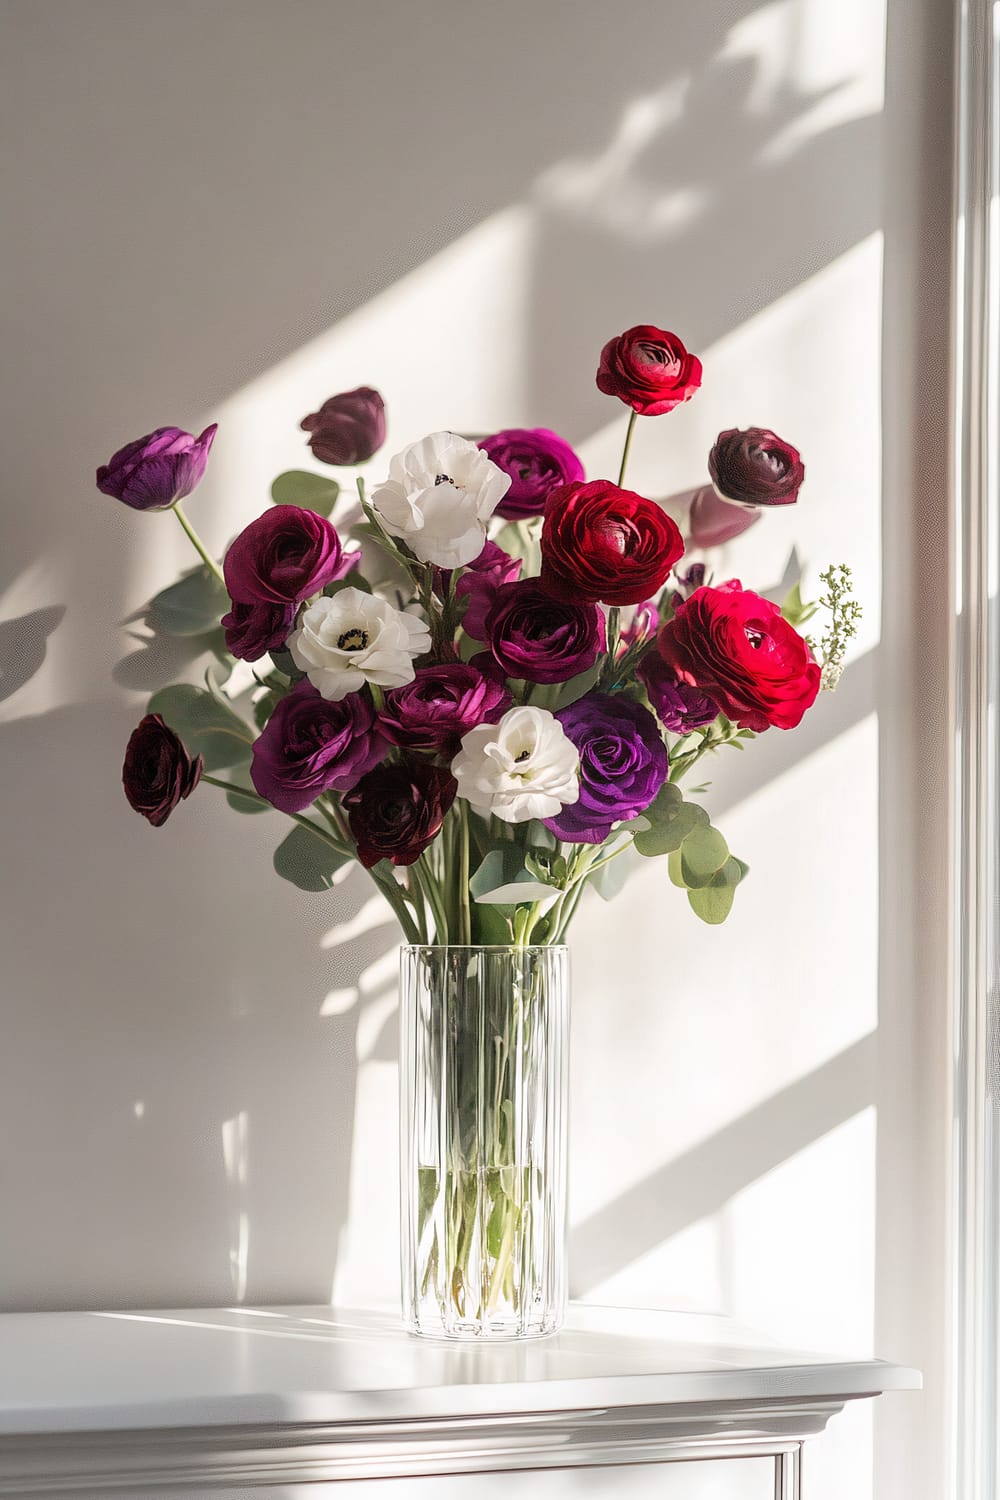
397	810
158	771
348	428
756	467
441	704
309	746
155	471
649	369
281	558
603	543
737	648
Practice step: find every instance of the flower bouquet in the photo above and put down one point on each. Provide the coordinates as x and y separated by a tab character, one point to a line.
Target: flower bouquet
486	683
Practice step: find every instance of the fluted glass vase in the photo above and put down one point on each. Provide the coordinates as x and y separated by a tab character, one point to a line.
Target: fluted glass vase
483	1074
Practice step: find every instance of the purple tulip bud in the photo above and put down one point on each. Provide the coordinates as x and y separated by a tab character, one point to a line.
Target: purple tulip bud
157	470
348	428
712	520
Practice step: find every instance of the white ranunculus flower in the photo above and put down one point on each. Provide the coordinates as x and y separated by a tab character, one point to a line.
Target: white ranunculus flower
524	767
353	638
439	496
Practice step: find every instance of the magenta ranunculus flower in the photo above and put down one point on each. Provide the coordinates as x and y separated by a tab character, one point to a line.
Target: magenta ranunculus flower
623	764
478	583
541	639
309	746
254	629
157	470
441	703
678	706
348	428
283	557
538	461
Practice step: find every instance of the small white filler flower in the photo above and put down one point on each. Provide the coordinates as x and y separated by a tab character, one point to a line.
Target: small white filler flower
353	638
439	496
524	767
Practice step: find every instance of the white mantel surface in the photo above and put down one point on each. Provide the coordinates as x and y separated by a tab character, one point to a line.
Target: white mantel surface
103	1371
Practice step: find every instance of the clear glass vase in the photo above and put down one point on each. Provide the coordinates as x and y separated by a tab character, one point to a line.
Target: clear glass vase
483	1078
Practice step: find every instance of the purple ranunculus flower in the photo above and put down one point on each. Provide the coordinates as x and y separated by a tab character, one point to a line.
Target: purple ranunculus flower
158	771
156	471
281	558
623	764
441	703
254	629
309	746
478	583
348	428
538	461
541	639
678	706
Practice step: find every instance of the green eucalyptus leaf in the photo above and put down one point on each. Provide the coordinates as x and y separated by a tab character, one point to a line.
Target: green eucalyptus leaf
670	821
307	860
193	605
713	902
205	724
252	802
577	686
674	869
609	881
703	853
310	491
502	880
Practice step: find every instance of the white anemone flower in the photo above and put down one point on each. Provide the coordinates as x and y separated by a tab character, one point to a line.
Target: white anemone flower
352	638
524	767
439	496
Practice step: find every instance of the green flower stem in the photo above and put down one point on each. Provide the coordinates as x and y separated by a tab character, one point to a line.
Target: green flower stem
614	628
197	543
628	444
465	912
425	878
393	894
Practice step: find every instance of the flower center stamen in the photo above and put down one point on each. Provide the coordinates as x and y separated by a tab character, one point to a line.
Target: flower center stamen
353	640
755	637
524	755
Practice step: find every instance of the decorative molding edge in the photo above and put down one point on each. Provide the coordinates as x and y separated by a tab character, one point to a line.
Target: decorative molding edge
216	1461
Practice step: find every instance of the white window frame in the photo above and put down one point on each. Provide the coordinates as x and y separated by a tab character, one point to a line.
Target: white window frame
975	1363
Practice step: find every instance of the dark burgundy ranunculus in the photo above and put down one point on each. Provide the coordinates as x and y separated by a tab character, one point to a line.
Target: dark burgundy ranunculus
254	629
309	746
649	369
397	810
678	706
756	467
623	764
603	543
158	771
737	648
281	558
348	428
538	462
478	582
155	471
441	703
542	639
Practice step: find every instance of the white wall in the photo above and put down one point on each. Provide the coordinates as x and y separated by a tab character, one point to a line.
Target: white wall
229	211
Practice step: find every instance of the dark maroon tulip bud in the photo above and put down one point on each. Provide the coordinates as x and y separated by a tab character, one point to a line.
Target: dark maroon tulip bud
158	772
157	470
348	428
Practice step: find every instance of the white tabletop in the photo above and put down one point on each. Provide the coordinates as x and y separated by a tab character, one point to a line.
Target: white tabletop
91	1372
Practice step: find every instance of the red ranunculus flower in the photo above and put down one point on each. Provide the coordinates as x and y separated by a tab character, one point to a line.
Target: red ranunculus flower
737	648
600	543
397	810
649	369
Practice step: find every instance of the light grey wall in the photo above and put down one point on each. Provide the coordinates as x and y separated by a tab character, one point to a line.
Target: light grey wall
199	190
